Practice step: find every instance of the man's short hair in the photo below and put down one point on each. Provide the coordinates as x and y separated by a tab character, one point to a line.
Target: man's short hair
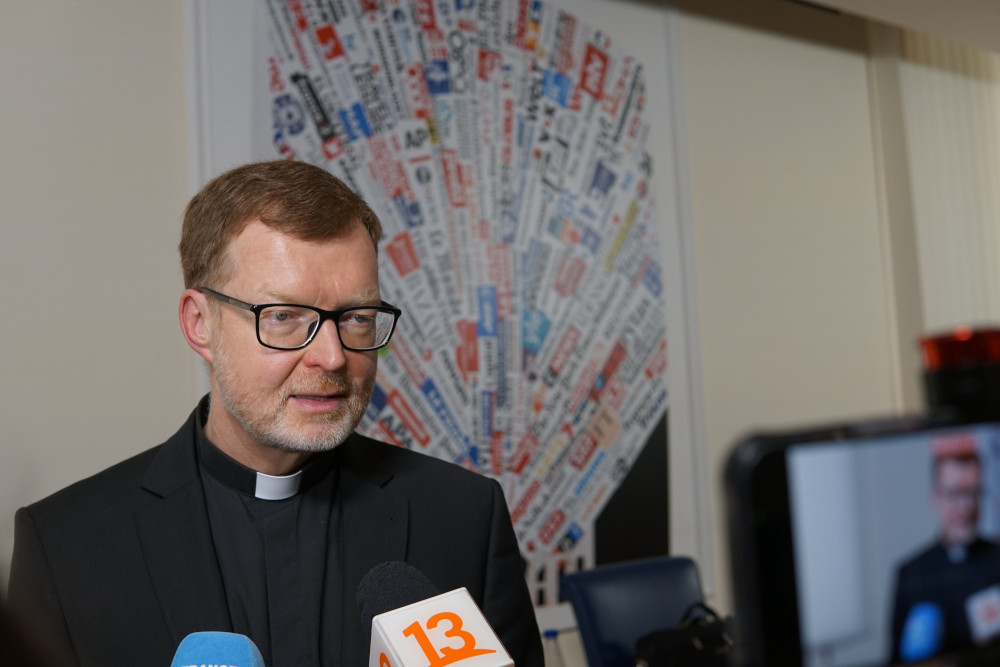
294	198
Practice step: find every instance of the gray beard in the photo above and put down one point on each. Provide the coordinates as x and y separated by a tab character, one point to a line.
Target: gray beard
271	428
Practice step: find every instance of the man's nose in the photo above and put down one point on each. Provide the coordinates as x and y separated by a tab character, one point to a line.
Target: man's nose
326	351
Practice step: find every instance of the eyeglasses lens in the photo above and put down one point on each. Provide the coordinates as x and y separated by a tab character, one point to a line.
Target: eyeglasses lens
290	327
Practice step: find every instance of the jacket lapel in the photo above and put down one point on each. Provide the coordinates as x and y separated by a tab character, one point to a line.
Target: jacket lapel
374	526
176	541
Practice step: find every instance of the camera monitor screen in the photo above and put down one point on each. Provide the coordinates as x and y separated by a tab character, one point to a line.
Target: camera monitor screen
867	546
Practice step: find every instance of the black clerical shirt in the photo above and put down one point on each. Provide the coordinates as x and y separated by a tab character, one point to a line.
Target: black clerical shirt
279	558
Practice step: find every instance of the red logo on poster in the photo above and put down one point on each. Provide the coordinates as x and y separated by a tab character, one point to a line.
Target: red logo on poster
327	38
595	68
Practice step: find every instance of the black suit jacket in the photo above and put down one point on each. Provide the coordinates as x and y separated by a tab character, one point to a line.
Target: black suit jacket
931	577
120	567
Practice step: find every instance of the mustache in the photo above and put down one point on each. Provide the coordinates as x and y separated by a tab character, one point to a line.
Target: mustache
324	384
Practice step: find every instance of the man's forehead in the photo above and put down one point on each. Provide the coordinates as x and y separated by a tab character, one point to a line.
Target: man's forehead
283	267
965	462
958	468
261	241
304	232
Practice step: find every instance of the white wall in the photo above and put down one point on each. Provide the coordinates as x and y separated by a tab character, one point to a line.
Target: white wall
794	314
94	180
951	100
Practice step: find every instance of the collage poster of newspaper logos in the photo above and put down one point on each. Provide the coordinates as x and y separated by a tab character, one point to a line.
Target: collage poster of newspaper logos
501	142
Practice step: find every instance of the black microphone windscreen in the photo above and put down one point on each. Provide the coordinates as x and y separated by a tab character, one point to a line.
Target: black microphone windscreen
389	586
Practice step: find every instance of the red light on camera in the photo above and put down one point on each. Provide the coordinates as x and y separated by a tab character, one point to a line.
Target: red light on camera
962	347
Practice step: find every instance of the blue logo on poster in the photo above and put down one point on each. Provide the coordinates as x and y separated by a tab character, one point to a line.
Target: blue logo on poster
534	329
414	218
535	11
378	398
361	119
288	114
556	87
438	78
355	122
433	395
410	212
604	178
345	120
376	404
487	295
472	455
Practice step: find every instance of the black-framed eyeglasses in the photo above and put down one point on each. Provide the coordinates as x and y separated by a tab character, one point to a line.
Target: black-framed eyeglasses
290	326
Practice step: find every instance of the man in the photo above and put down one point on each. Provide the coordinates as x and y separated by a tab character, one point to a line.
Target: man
264	511
943	594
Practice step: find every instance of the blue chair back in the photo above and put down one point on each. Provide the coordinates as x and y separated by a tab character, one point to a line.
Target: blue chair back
617	603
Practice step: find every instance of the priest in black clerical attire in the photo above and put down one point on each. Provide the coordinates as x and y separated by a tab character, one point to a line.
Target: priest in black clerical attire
262	514
935	609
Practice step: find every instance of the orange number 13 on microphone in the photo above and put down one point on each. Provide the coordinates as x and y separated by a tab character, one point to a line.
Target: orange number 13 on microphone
447	630
448	654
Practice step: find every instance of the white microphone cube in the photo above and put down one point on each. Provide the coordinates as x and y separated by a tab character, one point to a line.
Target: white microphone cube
448	629
983	609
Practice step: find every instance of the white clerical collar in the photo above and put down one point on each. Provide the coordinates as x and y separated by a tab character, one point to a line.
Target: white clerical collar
270	487
957	553
250	482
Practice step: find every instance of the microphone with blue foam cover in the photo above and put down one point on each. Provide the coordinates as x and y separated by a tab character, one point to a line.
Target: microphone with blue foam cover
922	633
220	649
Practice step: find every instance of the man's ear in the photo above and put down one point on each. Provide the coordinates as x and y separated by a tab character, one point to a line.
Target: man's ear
196	322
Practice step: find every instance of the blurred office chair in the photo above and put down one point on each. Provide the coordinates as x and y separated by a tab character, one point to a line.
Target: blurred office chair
617	603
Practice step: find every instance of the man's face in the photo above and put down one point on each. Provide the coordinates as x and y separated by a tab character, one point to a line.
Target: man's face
304	400
956	497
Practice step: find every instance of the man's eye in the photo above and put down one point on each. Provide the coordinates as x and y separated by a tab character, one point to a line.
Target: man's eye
281	316
358	321
362	317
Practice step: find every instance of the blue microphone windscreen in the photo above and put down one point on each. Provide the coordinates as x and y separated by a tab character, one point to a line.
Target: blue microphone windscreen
922	630
217	648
